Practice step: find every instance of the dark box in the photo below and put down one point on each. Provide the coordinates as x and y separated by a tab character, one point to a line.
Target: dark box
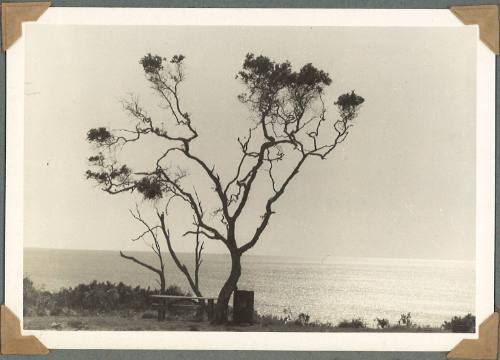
243	305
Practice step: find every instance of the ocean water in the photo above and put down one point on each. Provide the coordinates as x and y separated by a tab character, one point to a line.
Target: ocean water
328	289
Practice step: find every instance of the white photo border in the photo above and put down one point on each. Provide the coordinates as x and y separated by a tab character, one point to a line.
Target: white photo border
485	183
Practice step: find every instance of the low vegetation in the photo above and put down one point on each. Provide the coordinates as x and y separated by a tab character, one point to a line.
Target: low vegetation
357	323
93	298
405	323
109	306
466	323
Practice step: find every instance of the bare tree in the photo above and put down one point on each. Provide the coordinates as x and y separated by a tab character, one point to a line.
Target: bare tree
152	231
291	127
155	246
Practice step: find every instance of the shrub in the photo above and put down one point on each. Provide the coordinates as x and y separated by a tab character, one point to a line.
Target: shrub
176	290
36	301
356	323
287	319
405	320
268	320
302	319
29	291
30	296
460	324
287	315
382	323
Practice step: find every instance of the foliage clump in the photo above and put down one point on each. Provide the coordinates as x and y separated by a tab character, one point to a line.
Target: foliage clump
122	171
302	319
265	79
99	135
151	63
349	102
177	59
461	324
382	323
150	188
176	291
96	159
355	323
406	320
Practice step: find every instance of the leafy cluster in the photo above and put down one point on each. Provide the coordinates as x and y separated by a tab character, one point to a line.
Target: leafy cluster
265	73
265	78
461	324
150	188
310	76
97	159
356	323
291	108
382	323
152	63
348	103
177	59
406	320
122	172
100	135
107	176
101	177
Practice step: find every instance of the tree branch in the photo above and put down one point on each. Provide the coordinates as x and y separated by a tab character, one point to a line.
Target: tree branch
152	268
267	215
173	254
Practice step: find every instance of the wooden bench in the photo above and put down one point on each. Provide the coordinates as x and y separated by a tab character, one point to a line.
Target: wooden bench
168	300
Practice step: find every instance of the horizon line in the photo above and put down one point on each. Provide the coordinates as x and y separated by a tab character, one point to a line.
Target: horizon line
266	255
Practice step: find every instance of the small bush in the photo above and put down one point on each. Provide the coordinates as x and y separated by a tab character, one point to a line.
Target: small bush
287	319
405	320
460	324
356	323
302	319
176	290
287	315
269	320
37	302
382	323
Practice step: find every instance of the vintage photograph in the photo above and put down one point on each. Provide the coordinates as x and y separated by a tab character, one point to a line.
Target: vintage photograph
250	179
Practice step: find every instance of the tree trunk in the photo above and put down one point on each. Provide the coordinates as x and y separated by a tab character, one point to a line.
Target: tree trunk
221	308
163	303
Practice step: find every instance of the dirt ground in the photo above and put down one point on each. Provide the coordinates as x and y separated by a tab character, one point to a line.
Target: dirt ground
138	323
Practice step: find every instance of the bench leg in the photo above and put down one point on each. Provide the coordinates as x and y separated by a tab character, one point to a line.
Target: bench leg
162	310
200	311
210	309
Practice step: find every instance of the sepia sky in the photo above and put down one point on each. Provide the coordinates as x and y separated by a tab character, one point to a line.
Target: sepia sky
401	185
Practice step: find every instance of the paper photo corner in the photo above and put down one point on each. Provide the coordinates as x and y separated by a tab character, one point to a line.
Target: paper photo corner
485	347
12	342
14	14
486	16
